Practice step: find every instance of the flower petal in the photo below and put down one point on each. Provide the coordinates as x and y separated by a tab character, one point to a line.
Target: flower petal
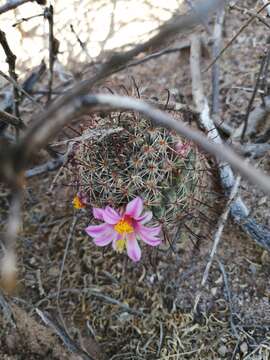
153	231
151	240
146	217
106	239
98	213
148	235
111	216
134	208
99	230
133	249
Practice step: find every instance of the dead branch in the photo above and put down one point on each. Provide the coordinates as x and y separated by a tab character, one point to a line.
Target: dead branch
97	134
9	262
243	27
255	118
5	117
266	2
48	166
81	43
254	150
229	298
59	283
20	88
10	5
60	331
256	87
37	137
239	211
11	60
216	47
53	47
217	237
179	23
7	310
11	120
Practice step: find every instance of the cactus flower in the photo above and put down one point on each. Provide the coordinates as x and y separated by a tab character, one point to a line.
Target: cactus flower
124	229
79	201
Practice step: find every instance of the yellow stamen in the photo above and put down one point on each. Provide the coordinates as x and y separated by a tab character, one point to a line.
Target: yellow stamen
120	245
77	203
124	226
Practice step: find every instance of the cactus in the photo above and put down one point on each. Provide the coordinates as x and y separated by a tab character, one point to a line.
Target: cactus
152	163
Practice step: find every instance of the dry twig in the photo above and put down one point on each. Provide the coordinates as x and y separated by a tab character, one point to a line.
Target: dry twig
53	47
217	39
243	27
12	4
217	237
239	211
70	344
11	60
71	232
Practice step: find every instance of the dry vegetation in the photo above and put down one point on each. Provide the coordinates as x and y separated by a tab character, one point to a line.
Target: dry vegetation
74	300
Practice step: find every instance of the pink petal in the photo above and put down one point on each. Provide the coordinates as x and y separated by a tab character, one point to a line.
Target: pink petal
98	213
148	235
99	230
145	218
111	216
151	240
153	231
106	239
135	207
133	249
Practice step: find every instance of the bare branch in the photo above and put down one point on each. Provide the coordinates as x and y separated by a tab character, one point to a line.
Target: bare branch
254	120
179	23
12	4
239	211
36	138
11	119
57	328
243	27
217	40
220	226
11	60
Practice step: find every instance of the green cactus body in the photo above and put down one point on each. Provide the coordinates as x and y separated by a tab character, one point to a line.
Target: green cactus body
140	160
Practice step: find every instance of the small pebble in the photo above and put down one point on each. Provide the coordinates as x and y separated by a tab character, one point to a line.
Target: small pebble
222	350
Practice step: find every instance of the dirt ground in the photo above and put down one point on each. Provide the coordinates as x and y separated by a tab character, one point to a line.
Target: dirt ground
115	309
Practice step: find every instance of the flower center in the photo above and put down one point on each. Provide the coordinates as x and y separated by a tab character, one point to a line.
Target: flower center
124	226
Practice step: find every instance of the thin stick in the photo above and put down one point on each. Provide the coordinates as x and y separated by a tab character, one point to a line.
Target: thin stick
266	2
217	237
217	39
40	134
82	44
71	231
10	5
15	84
257	84
11	60
53	48
243	27
229	297
239	211
11	119
64	336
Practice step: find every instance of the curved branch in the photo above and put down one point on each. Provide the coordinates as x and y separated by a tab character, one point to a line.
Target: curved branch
37	137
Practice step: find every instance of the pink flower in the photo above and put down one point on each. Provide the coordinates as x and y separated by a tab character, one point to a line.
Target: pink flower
182	149
124	229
